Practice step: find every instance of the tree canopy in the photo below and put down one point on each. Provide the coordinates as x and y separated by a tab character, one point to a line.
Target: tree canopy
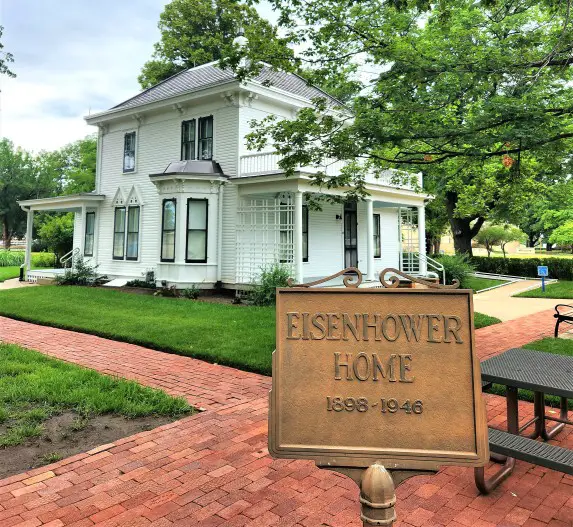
477	95
195	32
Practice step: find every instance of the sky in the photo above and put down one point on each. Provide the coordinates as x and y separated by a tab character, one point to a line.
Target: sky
71	57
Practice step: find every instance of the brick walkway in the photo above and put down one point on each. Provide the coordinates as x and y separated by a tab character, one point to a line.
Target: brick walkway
213	468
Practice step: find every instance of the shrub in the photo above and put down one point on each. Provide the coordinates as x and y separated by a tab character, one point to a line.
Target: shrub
43	260
148	281
15	258
457	267
192	293
273	276
80	274
561	268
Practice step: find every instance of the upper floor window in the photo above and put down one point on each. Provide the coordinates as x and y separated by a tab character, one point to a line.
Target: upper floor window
205	138
377	239
188	140
129	152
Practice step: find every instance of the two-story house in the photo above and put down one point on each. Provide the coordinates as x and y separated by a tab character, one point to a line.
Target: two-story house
178	192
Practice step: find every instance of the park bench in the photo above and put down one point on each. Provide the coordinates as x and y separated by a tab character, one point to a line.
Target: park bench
542	373
562	316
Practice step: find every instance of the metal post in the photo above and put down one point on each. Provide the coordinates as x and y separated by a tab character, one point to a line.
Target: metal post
298	237
370	239
377	497
29	235
422	239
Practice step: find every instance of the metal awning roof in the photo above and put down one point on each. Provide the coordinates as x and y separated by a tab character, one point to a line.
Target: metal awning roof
69	203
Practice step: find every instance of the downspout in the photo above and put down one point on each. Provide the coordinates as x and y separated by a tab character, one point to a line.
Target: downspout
220	233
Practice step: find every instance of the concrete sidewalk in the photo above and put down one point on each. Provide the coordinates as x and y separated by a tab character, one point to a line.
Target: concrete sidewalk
500	303
14	283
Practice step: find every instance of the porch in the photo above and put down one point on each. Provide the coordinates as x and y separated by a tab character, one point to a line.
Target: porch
385	230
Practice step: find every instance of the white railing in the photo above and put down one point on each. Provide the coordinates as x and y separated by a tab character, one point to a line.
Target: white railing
69	257
262	163
412	264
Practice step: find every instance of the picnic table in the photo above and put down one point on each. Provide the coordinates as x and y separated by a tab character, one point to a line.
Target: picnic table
542	373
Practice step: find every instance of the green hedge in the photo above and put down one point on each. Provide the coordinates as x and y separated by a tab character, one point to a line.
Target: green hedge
561	268
12	258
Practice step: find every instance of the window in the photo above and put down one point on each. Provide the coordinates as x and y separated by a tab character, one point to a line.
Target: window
168	230
188	140
119	233
129	152
126	233
132	251
205	138
377	241
305	233
196	230
89	234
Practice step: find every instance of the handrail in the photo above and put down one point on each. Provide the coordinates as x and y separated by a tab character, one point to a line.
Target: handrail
434	264
69	256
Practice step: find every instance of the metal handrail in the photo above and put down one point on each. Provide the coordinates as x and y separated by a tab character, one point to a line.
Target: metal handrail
434	264
69	256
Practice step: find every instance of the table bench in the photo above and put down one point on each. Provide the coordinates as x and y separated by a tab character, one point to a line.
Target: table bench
561	316
542	373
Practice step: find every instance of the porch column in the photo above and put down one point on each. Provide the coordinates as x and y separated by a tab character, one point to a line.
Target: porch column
29	235
370	239
422	238
298	237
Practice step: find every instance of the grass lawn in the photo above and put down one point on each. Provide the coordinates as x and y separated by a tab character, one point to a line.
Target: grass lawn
9	272
477	284
481	320
34	388
239	336
561	289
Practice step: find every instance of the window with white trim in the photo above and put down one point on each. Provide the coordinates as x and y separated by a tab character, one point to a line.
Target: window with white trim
377	239
169	215
89	234
197	228
129	152
126	233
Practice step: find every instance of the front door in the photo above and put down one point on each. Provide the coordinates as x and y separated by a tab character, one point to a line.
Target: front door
350	235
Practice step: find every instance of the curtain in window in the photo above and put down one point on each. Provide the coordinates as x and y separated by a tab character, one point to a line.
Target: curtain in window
305	233
188	140
377	240
89	234
119	233
197	230
132	233
206	137
129	152
168	231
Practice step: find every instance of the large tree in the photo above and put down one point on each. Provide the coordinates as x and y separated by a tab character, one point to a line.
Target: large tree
194	32
475	93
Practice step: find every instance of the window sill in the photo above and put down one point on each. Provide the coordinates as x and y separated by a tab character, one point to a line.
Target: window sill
126	261
189	264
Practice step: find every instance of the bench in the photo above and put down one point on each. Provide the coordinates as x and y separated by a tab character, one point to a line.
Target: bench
562	317
512	447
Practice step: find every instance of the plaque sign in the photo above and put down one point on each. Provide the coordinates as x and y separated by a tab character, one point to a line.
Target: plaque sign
387	376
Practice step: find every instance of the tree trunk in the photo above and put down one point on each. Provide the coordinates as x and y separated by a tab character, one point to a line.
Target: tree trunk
437	243
6	234
532	240
549	247
462	230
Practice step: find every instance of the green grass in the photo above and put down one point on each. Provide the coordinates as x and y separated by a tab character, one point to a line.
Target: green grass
238	336
9	272
34	387
481	320
477	284
561	289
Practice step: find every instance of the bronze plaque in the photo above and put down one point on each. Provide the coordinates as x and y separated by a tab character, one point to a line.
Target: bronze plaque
377	375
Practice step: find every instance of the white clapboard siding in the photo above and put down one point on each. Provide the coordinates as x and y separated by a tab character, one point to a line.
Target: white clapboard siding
390	253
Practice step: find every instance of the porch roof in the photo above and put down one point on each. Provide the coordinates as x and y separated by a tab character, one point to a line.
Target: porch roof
70	203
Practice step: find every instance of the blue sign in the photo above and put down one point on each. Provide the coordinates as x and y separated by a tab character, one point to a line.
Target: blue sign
542	270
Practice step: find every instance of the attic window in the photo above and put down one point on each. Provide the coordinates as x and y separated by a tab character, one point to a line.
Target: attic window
129	152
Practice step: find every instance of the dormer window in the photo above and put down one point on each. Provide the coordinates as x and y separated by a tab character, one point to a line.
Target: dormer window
129	152
197	139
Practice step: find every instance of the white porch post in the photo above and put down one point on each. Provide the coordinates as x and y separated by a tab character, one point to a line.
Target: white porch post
29	235
298	237
422	238
370	239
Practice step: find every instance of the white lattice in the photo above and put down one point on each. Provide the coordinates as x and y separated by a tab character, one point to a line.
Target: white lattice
410	242
265	235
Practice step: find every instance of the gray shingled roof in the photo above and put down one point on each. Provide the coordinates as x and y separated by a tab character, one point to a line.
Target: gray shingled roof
210	75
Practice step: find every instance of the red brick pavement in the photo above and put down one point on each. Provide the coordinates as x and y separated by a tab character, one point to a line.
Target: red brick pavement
213	468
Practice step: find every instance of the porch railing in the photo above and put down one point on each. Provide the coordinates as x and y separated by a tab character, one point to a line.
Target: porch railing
263	163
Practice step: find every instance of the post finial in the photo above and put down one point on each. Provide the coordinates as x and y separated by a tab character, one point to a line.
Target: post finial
377	496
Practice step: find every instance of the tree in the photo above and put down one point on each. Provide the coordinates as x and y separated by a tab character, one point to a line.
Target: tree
5	59
563	235
489	236
58	233
195	32
477	94
511	233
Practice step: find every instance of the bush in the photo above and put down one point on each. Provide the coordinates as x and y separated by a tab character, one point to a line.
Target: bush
561	268
457	267
148	281
15	258
80	274
192	293
264	293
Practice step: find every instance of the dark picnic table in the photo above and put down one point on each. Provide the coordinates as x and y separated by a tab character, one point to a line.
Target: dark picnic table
542	373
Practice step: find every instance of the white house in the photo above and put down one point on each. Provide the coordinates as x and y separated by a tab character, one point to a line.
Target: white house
178	192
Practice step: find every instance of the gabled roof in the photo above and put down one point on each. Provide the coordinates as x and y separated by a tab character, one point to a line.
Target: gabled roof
210	74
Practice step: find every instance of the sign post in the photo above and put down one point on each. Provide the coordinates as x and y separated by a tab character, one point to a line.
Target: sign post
543	272
380	384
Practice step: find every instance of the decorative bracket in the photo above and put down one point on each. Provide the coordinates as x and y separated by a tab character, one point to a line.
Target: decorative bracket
139	118
177	107
354	278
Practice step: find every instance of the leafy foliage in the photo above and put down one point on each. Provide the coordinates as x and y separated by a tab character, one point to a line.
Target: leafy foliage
476	94
57	231
5	59
16	258
81	273
561	268
490	235
563	235
457	267
273	276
